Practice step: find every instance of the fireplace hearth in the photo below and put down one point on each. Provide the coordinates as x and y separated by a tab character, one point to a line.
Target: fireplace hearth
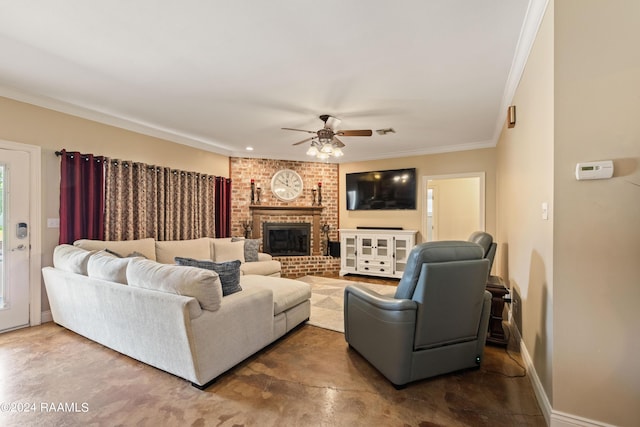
287	239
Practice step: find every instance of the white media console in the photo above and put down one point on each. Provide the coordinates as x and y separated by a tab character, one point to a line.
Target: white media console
375	252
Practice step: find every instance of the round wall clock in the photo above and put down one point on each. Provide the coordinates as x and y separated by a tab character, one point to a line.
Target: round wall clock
286	185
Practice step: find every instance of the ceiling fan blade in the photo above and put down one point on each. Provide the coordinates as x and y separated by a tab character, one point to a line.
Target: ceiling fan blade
338	142
304	140
299	130
367	132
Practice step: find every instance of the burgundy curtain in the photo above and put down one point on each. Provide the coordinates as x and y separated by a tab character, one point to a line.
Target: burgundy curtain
223	207
81	197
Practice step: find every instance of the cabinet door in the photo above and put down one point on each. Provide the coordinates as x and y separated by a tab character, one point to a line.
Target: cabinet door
366	247
349	253
402	247
383	249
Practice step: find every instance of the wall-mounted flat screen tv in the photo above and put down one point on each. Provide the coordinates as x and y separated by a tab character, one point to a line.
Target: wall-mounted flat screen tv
378	190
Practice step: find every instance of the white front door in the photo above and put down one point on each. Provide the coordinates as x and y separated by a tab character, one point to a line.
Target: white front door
14	239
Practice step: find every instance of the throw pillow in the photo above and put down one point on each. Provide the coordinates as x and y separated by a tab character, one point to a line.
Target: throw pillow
121	247
229	272
203	285
225	250
72	259
105	266
251	248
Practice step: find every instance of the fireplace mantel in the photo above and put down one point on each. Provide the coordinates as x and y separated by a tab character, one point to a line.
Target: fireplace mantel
258	211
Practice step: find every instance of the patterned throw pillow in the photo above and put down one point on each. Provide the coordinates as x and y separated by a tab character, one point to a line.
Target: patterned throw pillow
229	272
251	248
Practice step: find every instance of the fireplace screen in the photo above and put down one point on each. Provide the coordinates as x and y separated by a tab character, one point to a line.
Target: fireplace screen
287	239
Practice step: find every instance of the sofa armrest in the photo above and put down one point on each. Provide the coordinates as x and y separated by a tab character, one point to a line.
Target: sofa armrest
378	300
242	326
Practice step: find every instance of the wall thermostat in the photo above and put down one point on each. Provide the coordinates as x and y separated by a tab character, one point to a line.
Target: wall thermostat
594	170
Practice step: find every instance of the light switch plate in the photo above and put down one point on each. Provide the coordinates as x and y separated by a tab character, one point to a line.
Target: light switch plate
545	211
53	222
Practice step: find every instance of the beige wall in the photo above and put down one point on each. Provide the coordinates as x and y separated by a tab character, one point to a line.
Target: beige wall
577	275
597	227
525	181
460	162
28	124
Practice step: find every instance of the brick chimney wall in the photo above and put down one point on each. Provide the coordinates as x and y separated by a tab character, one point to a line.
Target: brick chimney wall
243	170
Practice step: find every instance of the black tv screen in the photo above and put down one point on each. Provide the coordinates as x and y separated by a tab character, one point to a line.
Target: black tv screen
378	190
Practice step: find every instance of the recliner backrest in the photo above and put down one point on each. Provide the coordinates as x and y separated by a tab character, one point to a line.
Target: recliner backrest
450	296
485	240
431	252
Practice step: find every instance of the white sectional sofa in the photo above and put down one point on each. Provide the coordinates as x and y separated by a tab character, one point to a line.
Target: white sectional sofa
223	249
172	317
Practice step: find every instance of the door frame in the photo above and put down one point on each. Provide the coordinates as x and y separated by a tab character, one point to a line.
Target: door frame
35	227
482	192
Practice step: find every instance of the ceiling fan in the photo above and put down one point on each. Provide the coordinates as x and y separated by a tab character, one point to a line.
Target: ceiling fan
327	144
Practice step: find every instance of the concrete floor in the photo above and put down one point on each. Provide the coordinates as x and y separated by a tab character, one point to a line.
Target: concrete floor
50	376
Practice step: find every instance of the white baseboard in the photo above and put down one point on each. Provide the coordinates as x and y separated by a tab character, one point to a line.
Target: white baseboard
552	417
46	316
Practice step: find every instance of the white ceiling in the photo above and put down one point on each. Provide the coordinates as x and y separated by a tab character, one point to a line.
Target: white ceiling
224	75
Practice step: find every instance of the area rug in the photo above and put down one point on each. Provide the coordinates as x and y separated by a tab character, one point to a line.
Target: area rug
327	300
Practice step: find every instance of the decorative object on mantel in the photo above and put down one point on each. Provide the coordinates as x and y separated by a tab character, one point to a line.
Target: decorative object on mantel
247	225
314	191
253	191
258	192
319	194
286	185
325	239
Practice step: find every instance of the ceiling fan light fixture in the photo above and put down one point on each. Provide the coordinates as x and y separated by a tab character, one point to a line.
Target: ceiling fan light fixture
327	148
322	156
312	151
337	152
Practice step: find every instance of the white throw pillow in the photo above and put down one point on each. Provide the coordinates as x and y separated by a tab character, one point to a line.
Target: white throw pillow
225	250
71	259
104	266
203	285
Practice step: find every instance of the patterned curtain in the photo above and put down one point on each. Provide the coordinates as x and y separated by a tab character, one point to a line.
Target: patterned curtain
151	201
223	207
81	196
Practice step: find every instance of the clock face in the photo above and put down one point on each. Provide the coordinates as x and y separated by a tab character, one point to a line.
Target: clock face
286	185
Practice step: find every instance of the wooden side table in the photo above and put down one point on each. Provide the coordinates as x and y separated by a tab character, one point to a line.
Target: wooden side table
498	290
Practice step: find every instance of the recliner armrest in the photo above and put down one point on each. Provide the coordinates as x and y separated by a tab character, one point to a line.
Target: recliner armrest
380	301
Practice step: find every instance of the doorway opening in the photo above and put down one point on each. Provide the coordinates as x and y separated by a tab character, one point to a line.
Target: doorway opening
454	206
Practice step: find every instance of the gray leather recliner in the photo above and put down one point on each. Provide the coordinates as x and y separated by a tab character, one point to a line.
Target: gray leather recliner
437	321
485	240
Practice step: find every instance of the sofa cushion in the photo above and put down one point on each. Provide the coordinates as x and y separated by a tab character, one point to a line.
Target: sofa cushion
229	272
263	268
287	293
146	247
167	251
251	248
72	259
203	285
105	266
226	250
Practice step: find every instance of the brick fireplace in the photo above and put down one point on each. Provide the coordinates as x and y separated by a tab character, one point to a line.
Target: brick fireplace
301	210
286	238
